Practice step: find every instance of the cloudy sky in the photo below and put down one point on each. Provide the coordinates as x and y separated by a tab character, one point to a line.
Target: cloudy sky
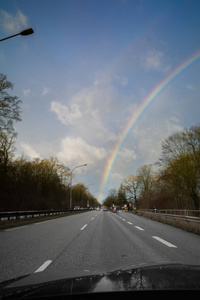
86	70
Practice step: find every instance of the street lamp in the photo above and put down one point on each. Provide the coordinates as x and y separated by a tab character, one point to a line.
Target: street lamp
71	172
26	31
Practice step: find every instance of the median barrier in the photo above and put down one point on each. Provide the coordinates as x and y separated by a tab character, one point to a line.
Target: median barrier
32	213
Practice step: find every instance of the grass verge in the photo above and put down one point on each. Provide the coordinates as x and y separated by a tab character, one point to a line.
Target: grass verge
176	223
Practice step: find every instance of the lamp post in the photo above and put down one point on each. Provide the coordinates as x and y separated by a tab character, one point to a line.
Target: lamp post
71	172
26	31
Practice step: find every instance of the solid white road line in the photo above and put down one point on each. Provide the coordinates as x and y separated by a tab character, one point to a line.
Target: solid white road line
39	223
139	228
164	242
16	228
84	227
44	266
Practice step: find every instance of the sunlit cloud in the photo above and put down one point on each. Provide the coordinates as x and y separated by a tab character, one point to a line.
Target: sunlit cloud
29	151
127	154
154	60
77	151
45	91
13	22
86	111
191	87
121	80
26	92
149	138
65	114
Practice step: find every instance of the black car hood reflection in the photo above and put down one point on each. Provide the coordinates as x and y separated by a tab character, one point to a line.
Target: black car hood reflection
159	277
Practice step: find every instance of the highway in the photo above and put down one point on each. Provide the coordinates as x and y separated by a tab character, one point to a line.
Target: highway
95	241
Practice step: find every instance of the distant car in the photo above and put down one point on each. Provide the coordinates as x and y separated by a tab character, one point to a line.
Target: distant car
98	208
105	208
76	207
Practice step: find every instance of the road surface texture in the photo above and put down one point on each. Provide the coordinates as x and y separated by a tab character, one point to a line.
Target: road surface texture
94	241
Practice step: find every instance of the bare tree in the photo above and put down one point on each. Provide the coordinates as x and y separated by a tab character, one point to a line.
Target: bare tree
130	185
6	147
9	105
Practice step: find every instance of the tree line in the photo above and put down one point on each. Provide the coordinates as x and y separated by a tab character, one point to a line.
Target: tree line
40	184
172	182
31	185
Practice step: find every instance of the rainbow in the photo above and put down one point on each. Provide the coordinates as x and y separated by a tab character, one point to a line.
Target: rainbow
137	114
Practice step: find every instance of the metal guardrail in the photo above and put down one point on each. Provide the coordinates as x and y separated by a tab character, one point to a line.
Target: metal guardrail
179	215
32	213
181	212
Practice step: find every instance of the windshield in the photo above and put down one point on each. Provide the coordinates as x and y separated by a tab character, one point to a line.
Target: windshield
99	135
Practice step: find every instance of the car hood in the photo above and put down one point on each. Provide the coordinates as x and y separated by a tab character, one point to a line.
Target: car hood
157	277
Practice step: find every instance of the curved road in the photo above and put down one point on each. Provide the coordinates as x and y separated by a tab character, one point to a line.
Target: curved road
94	241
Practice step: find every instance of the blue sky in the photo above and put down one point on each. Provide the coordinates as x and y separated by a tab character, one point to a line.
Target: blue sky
87	67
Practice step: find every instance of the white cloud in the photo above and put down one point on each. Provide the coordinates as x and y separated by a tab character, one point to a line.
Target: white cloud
117	176
102	80
26	92
125	160
154	60
171	127
45	91
2	55
29	151
124	81
149	138
12	23
87	112
77	151
191	87
121	80
66	115
127	155
174	119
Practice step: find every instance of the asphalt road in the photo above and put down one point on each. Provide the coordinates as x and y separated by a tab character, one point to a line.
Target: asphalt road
94	241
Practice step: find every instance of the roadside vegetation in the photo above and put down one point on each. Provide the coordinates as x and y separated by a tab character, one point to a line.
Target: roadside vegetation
179	223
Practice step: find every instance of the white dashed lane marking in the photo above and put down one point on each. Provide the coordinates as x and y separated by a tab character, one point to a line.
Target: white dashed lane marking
164	242
139	228
44	266
84	227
